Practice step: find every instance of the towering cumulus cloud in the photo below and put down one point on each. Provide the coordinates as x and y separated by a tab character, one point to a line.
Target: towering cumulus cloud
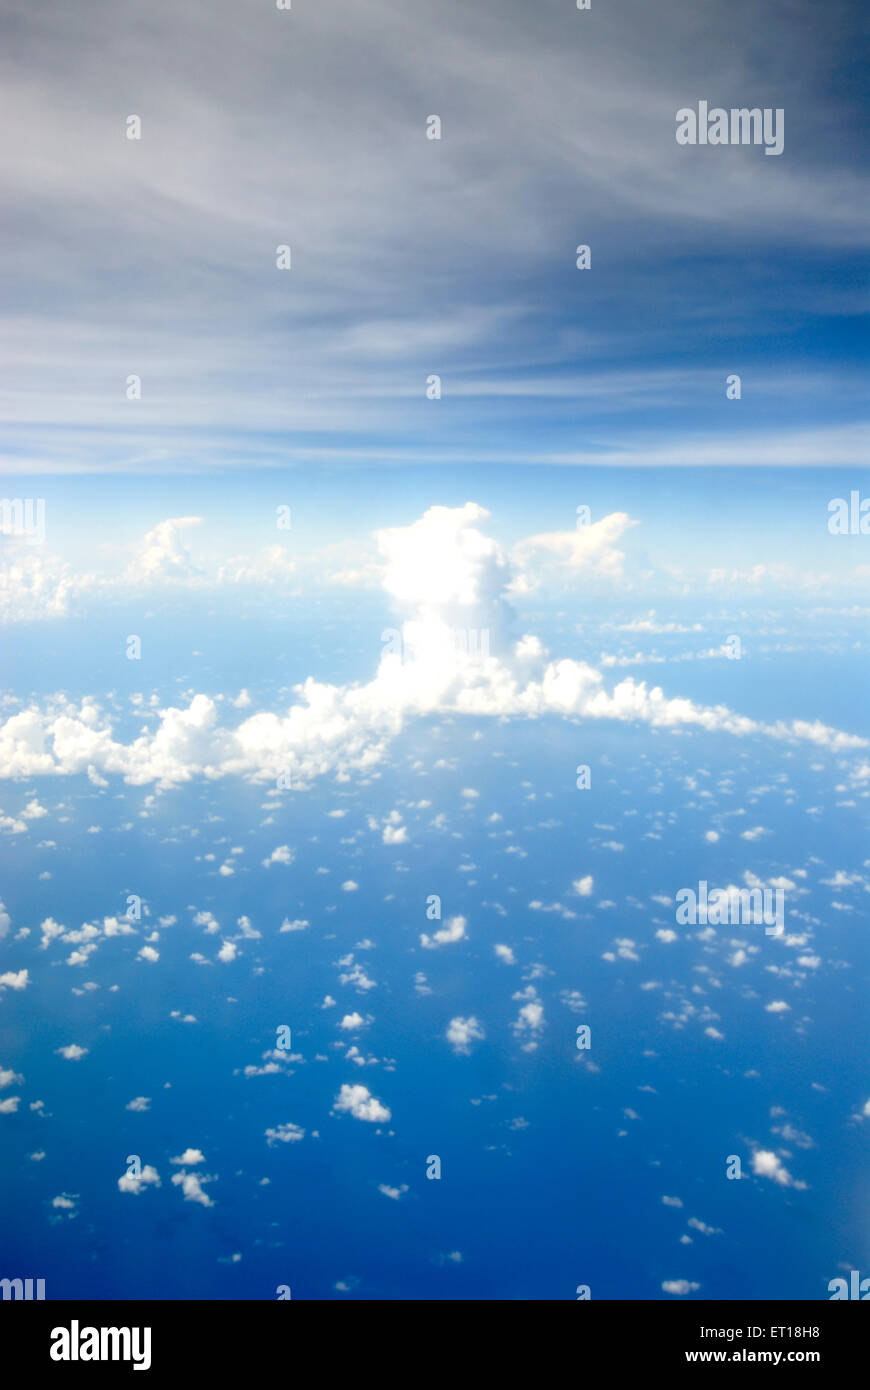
454	652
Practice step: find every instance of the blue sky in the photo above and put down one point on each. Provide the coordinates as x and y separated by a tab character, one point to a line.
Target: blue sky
301	652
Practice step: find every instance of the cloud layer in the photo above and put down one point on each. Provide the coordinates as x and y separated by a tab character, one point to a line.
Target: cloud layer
450	580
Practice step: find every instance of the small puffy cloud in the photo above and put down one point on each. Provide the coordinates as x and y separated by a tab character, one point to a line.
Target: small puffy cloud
356	976
65	1202
506	954
672	1201
148	1177
9	1078
189	1157
361	1104
113	926
395	835
299	924
680	1287
350	1022
711	836
462	1032
139	1103
583	886
778	1006
453	930
49	929
10	1105
72	1052
766	1164
191	1186
530	1019
755	833
281	854
149	953
349	886
228	951
394	1192
284	1134
15	979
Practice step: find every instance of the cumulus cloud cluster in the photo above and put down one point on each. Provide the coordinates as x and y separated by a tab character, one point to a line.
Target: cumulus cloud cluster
447	578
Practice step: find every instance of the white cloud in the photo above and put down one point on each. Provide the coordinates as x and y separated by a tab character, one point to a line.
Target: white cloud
461	1032
282	854
163	554
590	549
359	1101
530	1018
703	1227
285	1134
506	954
191	1187
679	1286
766	1164
395	835
72	1052
139	1103
148	1177
189	1157
447	576
15	979
452	931
355	975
